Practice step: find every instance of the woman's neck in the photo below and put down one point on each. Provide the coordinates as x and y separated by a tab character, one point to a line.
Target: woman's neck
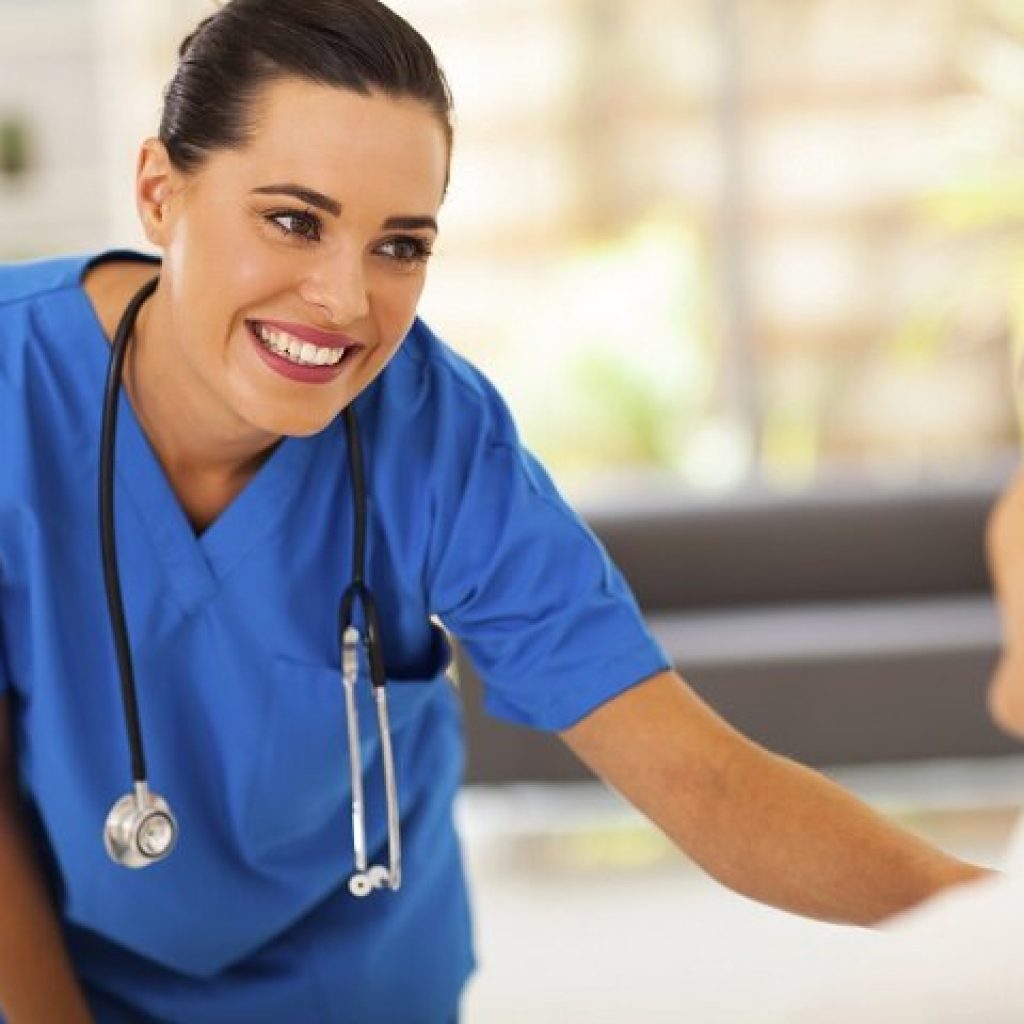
201	452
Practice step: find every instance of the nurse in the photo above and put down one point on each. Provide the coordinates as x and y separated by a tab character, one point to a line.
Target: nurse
292	193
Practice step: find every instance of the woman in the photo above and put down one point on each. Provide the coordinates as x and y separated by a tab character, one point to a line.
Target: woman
293	194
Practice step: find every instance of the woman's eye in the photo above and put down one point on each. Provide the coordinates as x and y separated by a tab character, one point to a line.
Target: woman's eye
408	249
297	224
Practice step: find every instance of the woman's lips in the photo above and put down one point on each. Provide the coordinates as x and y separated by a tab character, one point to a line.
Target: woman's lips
313	335
304	373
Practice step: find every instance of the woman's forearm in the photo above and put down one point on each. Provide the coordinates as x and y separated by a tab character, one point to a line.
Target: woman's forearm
761	824
37	981
788	836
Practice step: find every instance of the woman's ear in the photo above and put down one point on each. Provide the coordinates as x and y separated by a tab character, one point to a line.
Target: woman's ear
156	183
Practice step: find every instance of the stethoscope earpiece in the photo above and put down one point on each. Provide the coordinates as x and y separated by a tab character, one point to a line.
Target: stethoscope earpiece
362	883
368	877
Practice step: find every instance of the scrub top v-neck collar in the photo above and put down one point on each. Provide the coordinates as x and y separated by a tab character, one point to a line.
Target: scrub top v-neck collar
195	565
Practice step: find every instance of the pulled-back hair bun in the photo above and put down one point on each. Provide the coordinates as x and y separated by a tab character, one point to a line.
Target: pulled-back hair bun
231	55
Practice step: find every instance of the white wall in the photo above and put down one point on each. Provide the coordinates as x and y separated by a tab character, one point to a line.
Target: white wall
87	77
48	75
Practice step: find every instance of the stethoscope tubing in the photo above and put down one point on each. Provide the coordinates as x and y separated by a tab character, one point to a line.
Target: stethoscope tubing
111	574
140	828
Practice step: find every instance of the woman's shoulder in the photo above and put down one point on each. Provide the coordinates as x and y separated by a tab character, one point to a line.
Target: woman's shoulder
27	279
44	302
24	286
450	384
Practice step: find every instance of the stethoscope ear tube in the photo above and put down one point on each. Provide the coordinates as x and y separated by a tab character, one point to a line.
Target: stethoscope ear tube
140	828
366	878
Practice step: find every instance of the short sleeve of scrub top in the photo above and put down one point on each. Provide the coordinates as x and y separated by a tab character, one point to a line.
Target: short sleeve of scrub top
546	617
235	645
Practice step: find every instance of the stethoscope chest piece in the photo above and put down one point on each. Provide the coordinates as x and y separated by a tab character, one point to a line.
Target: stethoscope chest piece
140	829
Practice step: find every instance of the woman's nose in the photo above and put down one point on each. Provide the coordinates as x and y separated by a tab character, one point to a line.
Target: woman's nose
338	287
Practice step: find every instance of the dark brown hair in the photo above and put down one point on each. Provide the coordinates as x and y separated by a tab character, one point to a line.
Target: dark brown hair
359	45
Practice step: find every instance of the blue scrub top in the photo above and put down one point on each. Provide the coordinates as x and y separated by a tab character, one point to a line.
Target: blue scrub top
235	645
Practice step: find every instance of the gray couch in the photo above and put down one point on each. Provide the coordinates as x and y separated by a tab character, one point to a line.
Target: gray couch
846	624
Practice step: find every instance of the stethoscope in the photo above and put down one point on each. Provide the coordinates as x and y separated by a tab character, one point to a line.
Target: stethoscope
141	828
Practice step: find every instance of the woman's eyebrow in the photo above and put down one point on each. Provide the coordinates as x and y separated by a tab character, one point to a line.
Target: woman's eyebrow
409	224
333	207
307	195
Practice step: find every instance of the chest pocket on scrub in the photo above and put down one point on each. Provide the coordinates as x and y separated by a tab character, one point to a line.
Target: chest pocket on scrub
300	783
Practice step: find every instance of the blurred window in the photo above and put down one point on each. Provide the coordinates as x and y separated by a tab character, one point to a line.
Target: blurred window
697	242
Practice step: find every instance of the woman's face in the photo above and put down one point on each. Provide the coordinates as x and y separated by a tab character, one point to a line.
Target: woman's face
323	221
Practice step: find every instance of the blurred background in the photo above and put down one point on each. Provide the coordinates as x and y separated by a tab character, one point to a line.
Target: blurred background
751	276
775	238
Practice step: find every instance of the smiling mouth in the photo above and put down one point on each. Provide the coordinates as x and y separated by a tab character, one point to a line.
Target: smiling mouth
297	351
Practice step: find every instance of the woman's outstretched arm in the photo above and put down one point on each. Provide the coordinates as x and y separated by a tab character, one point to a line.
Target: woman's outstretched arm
768	828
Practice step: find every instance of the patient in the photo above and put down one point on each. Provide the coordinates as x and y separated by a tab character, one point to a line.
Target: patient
960	957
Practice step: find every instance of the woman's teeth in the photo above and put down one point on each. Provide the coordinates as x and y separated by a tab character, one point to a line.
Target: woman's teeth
301	352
